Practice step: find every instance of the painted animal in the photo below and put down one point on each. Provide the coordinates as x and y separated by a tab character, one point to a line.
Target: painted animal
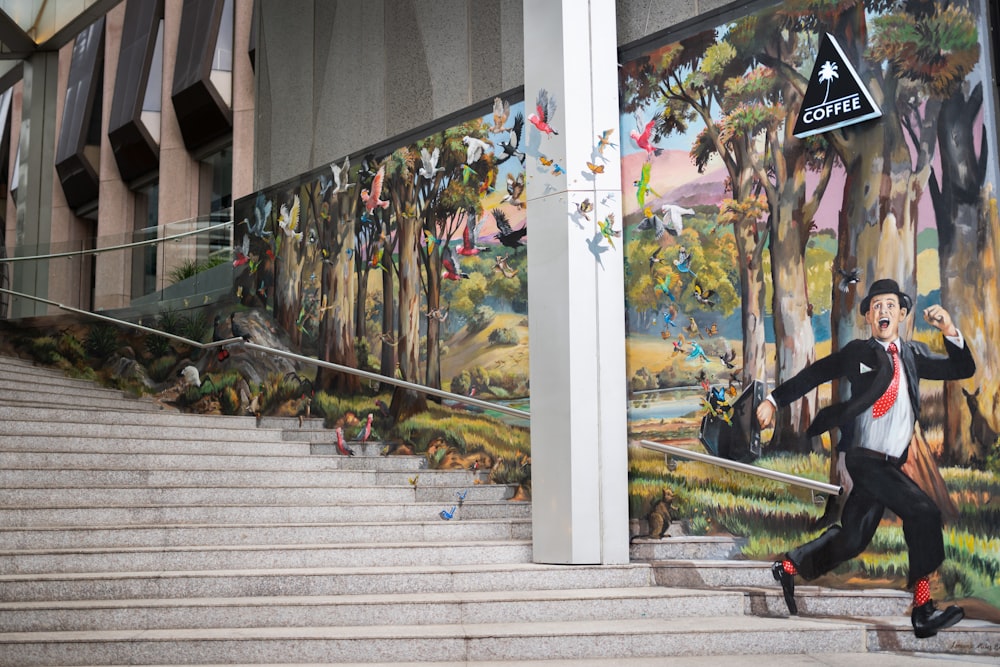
980	431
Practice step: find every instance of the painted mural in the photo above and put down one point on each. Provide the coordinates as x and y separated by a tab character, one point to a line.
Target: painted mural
750	251
409	263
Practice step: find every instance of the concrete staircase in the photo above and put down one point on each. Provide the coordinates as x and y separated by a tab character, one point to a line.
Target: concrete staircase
135	535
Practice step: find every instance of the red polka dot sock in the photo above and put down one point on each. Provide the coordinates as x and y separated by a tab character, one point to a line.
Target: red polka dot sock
789	567
922	592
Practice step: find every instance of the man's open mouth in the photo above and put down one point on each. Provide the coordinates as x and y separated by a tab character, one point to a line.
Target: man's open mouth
883	322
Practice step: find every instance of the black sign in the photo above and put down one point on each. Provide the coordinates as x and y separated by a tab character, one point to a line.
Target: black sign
835	96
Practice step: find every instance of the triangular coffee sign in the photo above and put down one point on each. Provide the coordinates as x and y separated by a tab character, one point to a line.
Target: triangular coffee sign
835	96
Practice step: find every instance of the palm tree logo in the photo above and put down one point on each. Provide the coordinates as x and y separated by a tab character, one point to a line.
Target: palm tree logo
827	73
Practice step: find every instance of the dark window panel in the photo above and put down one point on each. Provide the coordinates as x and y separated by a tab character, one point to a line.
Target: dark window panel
136	151
77	173
202	114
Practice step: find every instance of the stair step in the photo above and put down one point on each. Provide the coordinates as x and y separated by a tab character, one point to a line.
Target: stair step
357	610
201	461
194	432
44	478
685	548
287	556
329	513
317	581
110	444
272	495
436	530
647	637
165	418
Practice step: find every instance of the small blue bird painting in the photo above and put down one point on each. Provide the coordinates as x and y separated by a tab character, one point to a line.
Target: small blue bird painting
448	515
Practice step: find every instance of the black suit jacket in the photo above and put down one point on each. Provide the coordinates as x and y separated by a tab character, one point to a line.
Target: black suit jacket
865	364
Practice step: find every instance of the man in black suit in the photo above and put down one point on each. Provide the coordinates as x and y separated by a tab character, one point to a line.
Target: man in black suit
876	430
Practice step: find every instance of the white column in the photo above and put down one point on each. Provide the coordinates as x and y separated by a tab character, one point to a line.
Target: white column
576	289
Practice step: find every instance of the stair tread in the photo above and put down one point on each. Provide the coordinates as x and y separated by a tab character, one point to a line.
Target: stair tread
632	592
625	627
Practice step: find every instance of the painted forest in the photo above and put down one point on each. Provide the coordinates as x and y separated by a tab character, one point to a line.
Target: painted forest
749	251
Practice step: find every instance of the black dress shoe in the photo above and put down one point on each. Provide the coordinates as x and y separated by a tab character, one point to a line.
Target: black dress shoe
927	619
787	586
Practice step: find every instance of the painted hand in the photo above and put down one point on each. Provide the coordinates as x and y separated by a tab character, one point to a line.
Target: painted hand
939	318
843	475
765	414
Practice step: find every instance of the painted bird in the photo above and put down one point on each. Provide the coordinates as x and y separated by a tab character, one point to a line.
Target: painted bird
607	229
692	328
429	163
508	149
449	264
728	357
697	351
655	258
501	110
190	375
431	241
341	175
239	331
642	185
604	140
461	496
683	261
261	212
242	253
382	407
475	148
470	236
288	219
664	285
848	278
366	430
448	515
704	296
678	346
505	235
502	267
585	207
672	217
651	222
642	139
545	111
371	199
342	448
669	316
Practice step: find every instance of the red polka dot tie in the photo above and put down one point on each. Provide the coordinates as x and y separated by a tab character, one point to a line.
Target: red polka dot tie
885	402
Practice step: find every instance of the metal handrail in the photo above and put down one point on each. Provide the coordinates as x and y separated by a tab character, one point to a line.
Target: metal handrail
123	246
468	400
782	477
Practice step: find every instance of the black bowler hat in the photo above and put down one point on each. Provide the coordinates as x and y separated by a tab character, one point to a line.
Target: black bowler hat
886	286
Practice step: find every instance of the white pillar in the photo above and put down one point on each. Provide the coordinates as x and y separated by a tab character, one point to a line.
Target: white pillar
576	292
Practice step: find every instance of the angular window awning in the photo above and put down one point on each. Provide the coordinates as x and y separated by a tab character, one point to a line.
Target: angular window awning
78	167
135	146
201	110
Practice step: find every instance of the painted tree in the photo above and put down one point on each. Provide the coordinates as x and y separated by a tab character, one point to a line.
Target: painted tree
687	82
966	212
290	261
399	186
337	250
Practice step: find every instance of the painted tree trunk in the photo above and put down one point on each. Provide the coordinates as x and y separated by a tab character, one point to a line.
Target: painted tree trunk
433	373
406	402
968	232
338	290
388	355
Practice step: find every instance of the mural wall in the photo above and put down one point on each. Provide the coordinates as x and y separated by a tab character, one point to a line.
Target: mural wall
749	251
410	263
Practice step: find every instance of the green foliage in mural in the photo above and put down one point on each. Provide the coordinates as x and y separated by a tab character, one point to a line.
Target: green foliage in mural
101	340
